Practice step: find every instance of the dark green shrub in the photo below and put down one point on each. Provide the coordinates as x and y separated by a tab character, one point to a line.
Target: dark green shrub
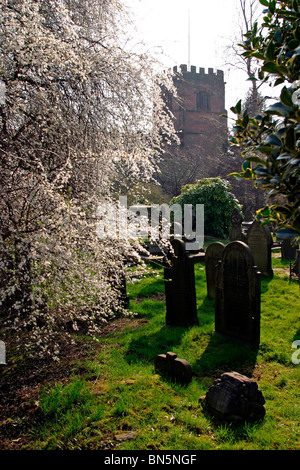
218	202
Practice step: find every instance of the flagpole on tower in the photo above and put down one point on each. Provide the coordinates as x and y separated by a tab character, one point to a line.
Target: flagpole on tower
189	40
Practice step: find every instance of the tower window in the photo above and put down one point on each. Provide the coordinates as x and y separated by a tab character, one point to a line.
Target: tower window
203	100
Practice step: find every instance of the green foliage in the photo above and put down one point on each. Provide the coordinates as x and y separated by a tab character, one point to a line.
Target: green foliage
61	399
218	202
270	141
64	411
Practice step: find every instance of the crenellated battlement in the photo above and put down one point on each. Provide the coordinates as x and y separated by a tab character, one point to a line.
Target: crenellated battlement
192	70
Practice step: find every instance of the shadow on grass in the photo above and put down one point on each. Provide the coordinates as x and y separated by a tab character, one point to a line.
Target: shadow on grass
205	310
157	286
216	353
297	335
153	287
264	285
146	347
220	354
225	355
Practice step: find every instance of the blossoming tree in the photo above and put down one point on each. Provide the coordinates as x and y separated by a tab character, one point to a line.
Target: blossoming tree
76	128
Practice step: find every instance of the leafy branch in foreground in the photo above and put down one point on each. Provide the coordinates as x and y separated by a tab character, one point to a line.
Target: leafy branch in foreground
271	141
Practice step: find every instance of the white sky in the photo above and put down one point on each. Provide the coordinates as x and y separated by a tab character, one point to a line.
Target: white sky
164	24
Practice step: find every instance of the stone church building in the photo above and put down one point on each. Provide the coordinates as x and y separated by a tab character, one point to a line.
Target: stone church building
200	126
200	120
198	110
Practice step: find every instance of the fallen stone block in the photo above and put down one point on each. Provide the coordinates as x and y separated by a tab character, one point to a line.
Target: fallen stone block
234	398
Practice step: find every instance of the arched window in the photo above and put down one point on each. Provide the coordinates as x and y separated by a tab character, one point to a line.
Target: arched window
203	100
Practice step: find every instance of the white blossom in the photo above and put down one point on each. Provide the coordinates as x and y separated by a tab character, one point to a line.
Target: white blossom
82	122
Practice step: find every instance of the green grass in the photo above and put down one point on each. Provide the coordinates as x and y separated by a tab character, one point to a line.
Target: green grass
121	402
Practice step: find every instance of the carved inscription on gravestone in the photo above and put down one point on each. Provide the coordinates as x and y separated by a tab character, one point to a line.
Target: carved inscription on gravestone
213	255
237	305
181	306
260	241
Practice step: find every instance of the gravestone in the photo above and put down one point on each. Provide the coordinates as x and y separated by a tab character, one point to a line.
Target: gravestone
236	220
213	255
237	303
259	240
180	290
174	367
289	248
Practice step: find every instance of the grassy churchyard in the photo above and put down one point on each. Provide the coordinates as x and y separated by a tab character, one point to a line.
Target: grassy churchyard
109	395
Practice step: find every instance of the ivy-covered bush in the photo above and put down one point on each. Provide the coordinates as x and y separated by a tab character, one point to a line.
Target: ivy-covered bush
218	202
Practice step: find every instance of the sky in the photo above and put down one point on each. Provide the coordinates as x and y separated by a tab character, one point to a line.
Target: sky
211	25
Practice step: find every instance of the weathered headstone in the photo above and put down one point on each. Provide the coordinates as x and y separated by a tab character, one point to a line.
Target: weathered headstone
234	398
289	248
174	367
237	303
236	220
181	306
260	241
213	255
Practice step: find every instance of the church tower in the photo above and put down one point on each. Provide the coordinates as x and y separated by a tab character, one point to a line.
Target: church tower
199	108
202	130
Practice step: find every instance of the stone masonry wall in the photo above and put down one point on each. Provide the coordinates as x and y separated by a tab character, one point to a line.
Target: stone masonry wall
197	113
